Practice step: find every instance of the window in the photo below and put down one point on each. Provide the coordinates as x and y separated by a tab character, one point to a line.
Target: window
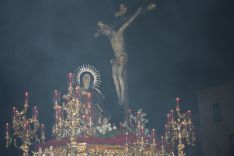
217	112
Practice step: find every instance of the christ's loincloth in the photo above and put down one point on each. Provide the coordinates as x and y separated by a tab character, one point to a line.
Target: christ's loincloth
120	60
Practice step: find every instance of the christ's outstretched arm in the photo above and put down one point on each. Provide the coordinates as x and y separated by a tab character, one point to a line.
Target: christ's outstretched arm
126	24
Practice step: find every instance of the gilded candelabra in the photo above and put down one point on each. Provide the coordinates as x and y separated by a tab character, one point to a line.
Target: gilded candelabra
138	147
146	143
72	118
25	130
179	129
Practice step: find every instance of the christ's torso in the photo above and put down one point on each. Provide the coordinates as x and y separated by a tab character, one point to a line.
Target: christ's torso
117	43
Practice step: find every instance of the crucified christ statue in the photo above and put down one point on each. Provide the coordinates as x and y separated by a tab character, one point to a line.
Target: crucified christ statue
115	35
120	60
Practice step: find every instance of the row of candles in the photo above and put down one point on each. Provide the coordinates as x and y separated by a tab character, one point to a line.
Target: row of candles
34	114
143	139
176	120
179	127
59	112
58	108
171	115
87	116
146	141
21	122
74	95
56	95
16	113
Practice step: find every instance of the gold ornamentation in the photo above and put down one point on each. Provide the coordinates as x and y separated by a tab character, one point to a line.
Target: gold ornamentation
25	130
179	129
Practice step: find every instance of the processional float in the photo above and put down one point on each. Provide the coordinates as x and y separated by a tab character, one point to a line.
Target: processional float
81	127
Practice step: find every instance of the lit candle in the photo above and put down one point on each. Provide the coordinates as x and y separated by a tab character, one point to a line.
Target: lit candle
26	98
138	118
35	113
62	114
70	78
153	136
90	122
153	133
142	131
77	93
129	113
189	114
26	126
168	118
42	129
89	107
177	100
177	104
172	115
126	137
179	130
138	114
162	142
58	113
166	128
14	112
42	133
7	128
55	98
126	142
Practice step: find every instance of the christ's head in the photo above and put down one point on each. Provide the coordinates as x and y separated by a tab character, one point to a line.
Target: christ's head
105	29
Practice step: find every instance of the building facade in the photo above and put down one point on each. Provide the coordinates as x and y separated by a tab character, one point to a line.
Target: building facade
216	111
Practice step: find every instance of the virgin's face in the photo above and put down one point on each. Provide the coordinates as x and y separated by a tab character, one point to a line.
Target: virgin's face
86	81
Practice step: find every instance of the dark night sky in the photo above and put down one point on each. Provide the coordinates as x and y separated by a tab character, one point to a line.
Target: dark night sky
180	48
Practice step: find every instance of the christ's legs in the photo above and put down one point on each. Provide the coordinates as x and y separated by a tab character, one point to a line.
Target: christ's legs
115	78
121	80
